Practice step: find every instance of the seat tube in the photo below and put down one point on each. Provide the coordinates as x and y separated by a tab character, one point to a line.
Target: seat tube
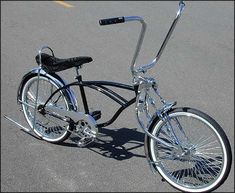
83	94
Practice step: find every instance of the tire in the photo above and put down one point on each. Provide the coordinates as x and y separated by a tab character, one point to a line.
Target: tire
47	127
203	163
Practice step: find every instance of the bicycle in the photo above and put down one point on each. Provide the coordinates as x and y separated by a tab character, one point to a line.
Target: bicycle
187	147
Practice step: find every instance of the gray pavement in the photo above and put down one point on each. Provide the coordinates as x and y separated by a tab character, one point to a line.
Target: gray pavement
196	70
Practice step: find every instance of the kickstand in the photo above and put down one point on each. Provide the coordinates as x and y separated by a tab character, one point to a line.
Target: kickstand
24	129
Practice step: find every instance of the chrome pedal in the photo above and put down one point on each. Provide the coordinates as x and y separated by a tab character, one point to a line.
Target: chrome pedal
85	141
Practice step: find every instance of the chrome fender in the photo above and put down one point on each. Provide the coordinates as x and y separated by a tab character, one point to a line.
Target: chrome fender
155	118
146	145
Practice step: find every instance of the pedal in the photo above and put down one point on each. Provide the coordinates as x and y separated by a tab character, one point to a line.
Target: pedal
96	115
85	141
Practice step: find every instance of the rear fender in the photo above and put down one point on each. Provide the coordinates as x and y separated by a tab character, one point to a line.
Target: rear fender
53	76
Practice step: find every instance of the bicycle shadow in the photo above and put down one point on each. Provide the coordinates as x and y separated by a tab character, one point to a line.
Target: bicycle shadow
119	144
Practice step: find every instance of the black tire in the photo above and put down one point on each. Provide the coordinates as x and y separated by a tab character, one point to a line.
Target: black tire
47	127
212	171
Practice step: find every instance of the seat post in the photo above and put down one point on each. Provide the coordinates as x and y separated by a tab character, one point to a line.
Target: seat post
77	73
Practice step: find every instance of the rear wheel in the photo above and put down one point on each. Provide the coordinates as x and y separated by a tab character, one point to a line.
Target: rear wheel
198	158
49	128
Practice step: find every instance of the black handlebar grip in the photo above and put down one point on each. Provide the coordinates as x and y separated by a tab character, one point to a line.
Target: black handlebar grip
112	21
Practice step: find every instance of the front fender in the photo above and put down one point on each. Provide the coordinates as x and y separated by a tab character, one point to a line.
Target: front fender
154	119
53	76
152	122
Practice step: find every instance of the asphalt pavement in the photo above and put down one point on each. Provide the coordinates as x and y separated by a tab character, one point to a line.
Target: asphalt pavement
196	69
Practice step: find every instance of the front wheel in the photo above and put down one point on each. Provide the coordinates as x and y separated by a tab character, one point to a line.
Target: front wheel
196	155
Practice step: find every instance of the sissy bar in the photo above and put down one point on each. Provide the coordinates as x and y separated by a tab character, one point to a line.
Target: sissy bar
29	130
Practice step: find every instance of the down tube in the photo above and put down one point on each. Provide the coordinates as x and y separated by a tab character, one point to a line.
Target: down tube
117	113
100	86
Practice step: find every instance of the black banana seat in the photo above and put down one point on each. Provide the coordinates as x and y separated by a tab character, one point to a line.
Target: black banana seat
53	64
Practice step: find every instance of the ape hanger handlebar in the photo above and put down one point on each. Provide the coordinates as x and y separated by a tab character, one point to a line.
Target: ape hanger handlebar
145	67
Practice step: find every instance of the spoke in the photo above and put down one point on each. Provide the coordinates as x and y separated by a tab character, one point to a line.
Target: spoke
200	172
164	150
207	153
208	166
196	143
203	142
51	88
172	132
202	154
167	137
209	148
183	175
167	157
181	128
165	133
207	169
178	177
206	144
31	97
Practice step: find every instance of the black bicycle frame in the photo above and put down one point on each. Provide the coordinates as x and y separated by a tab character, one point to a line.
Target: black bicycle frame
100	86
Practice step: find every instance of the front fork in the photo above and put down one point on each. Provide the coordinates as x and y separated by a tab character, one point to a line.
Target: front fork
143	103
